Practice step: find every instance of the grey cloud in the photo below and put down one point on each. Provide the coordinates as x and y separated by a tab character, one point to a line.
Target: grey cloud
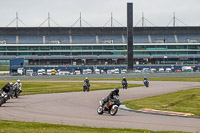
97	12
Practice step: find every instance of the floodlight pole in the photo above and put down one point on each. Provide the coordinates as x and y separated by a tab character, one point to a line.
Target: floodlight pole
111	20
142	19
130	37
17	19
80	20
49	19
174	20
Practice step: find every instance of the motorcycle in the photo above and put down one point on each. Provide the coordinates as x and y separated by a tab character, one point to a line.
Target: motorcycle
124	84
16	91
111	107
86	87
3	98
146	83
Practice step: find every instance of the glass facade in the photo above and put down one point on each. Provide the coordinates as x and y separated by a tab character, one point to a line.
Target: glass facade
99	50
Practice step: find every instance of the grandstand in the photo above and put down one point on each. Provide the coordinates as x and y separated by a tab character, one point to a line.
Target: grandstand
99	45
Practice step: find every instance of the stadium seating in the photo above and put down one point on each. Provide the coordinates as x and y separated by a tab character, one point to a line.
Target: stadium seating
110	39
84	39
30	39
101	39
139	38
8	39
63	39
191	38
162	39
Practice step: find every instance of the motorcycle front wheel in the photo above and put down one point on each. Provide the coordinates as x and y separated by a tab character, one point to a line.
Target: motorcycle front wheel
16	95
113	111
100	110
1	101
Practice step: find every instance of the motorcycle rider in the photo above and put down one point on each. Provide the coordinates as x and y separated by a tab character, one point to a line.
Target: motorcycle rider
19	85
124	81
145	79
7	88
86	83
110	96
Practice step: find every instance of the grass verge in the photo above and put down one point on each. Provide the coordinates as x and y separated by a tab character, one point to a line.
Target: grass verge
4	68
59	87
186	101
35	127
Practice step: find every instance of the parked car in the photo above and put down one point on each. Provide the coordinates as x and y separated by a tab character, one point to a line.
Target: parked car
146	70
168	70
20	71
41	72
109	72
97	71
137	71
161	70
84	71
29	72
116	71
153	70
77	72
123	71
89	71
64	72
187	69
49	72
103	72
178	70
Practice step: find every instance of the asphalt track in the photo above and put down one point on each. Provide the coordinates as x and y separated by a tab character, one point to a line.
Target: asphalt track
79	108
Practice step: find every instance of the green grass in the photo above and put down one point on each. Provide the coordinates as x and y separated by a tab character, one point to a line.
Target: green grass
35	127
187	101
59	87
4	68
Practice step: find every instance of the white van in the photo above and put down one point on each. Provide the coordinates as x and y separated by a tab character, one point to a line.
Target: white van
146	70
168	70
116	71
49	72
153	70
20	71
77	72
41	72
85	71
109	71
29	72
187	69
161	70
123	71
89	71
97	71
103	72
64	72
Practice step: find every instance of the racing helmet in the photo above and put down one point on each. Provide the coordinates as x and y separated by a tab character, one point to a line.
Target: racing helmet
116	90
18	81
11	83
124	77
8	84
86	77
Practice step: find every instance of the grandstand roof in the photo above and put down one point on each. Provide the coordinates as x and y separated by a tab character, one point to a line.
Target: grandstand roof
96	30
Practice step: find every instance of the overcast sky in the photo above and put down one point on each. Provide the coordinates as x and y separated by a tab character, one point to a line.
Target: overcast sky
98	12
